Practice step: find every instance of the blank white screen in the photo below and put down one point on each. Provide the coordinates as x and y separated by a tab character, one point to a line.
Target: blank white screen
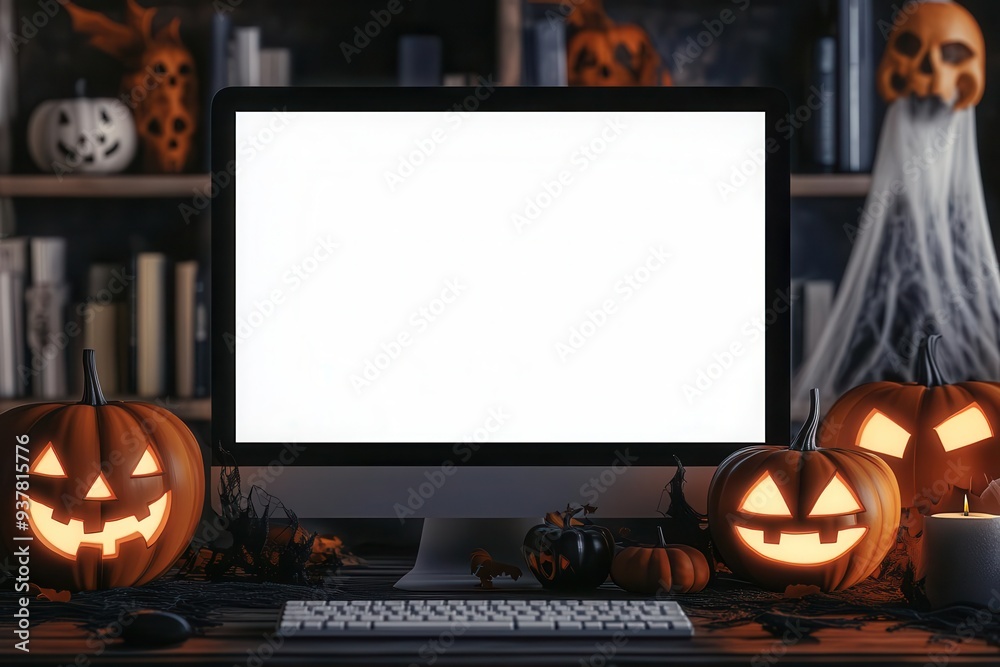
541	237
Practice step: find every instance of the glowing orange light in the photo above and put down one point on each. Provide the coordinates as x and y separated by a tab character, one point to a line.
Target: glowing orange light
802	548
964	428
66	539
966	510
880	434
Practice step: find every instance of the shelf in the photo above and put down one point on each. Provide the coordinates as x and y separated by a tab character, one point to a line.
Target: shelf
188	409
831	185
124	187
112	187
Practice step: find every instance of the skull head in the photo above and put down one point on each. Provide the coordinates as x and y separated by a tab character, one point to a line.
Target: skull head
939	51
165	117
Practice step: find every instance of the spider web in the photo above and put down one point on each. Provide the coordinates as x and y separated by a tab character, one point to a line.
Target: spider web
923	262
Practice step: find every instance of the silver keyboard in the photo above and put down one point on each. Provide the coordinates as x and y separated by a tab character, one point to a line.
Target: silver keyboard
484	618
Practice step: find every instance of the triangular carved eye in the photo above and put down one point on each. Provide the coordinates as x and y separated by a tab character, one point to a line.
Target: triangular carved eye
837	499
47	464
882	435
147	465
765	499
966	427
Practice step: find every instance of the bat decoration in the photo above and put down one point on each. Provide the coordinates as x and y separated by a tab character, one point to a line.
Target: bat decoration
484	567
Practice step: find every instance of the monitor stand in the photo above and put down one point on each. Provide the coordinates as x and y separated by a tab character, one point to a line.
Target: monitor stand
446	546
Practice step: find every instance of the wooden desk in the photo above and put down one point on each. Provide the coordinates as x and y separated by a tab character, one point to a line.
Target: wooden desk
250	642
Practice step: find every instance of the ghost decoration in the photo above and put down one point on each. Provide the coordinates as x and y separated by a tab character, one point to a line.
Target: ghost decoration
160	82
923	260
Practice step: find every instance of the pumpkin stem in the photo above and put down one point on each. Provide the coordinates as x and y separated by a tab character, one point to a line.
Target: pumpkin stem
805	439
659	534
928	373
92	394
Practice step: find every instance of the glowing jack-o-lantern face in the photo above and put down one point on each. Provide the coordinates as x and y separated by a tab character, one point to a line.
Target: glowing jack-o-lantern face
66	538
115	490
936	50
934	435
803	515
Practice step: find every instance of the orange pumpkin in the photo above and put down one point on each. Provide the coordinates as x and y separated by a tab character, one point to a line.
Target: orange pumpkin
672	568
603	53
935	435
781	516
111	492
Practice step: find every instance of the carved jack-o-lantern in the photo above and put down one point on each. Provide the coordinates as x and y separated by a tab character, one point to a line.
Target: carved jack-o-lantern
566	554
603	53
937	50
113	491
92	136
934	435
803	515
160	81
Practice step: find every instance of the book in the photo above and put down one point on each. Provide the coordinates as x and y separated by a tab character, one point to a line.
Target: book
817	304
857	63
13	266
102	314
151	324
245	54
185	304
202	334
420	60
275	67
46	333
549	54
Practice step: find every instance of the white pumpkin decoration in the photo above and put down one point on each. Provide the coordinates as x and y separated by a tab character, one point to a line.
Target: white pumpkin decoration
82	136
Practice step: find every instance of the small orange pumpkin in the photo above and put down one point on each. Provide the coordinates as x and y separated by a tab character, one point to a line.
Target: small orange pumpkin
673	568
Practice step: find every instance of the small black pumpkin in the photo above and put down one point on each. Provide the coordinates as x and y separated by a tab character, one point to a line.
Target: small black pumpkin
568	554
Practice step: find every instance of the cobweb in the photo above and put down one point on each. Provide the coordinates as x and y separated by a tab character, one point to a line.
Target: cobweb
923	262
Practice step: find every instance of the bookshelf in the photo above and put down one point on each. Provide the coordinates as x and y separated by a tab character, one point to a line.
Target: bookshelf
187	185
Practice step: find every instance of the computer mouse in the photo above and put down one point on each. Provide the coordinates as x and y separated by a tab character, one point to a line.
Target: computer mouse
150	627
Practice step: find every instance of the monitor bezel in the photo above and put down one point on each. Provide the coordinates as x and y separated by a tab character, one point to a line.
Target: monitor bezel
777	335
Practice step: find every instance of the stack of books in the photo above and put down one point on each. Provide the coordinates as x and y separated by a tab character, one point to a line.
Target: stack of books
146	318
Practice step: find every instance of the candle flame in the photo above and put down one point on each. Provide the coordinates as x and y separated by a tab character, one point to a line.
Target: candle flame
967	504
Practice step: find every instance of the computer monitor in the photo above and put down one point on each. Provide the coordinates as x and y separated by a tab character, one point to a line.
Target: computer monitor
499	280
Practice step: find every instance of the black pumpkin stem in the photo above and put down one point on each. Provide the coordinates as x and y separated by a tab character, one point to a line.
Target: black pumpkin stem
92	394
663	540
928	373
805	439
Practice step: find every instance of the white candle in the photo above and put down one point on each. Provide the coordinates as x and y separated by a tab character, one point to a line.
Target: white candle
962	558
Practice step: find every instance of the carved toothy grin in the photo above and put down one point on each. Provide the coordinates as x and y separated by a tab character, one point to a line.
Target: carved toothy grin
801	548
67	538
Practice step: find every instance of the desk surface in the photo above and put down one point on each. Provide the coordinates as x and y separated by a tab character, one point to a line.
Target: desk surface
250	641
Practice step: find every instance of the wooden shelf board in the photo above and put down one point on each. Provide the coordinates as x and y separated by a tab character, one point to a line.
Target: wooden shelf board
188	409
117	187
831	185
187	185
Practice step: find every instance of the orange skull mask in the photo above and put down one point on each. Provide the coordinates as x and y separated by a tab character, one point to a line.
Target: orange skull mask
938	50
